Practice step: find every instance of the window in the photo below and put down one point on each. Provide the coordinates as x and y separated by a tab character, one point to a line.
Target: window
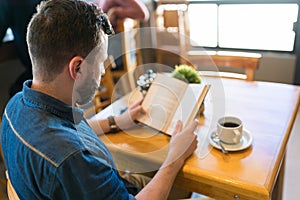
244	26
203	19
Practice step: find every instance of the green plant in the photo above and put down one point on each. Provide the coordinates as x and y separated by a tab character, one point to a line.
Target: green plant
186	73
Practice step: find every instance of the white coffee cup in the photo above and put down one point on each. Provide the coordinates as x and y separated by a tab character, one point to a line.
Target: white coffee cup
230	129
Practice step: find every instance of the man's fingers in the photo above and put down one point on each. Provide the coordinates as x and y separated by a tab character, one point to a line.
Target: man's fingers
178	127
193	125
136	111
136	103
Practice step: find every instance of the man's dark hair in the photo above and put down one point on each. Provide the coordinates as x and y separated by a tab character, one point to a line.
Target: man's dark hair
60	30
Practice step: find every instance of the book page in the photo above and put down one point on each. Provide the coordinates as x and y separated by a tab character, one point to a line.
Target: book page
161	101
189	105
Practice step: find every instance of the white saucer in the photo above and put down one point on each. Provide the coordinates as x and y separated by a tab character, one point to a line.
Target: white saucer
245	142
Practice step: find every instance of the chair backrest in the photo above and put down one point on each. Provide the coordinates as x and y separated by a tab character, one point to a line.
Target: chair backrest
172	35
130	39
11	193
103	96
249	62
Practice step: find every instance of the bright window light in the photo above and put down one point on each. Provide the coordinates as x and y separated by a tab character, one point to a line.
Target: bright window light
203	24
257	26
244	26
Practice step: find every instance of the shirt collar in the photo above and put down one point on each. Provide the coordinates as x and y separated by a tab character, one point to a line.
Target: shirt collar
47	103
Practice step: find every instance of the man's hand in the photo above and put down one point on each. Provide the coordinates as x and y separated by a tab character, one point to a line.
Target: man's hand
183	143
126	120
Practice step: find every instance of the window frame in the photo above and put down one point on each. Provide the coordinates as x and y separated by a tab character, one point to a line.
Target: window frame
220	2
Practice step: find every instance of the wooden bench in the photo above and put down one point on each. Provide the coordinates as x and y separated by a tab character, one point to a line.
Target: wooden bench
247	61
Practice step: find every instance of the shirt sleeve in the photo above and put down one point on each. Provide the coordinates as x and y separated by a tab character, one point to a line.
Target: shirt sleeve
84	176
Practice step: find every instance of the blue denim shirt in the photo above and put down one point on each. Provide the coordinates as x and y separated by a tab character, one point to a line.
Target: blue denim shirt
51	152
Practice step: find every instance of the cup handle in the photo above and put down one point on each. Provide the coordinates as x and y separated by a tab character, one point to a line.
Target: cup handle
237	135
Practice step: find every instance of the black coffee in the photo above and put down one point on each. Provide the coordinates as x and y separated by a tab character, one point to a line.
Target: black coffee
230	124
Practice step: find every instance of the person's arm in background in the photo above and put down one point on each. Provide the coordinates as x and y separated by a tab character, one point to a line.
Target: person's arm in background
120	9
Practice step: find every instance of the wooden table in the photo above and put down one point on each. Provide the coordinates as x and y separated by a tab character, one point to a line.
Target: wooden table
268	111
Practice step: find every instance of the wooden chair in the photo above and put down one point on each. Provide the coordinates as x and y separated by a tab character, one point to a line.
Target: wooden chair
248	62
131	54
172	37
103	96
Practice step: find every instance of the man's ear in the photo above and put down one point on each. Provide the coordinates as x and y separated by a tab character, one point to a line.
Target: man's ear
74	66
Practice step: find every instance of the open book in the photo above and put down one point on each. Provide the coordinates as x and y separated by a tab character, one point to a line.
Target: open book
169	100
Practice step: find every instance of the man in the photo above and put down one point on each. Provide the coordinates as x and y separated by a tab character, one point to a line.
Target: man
49	149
